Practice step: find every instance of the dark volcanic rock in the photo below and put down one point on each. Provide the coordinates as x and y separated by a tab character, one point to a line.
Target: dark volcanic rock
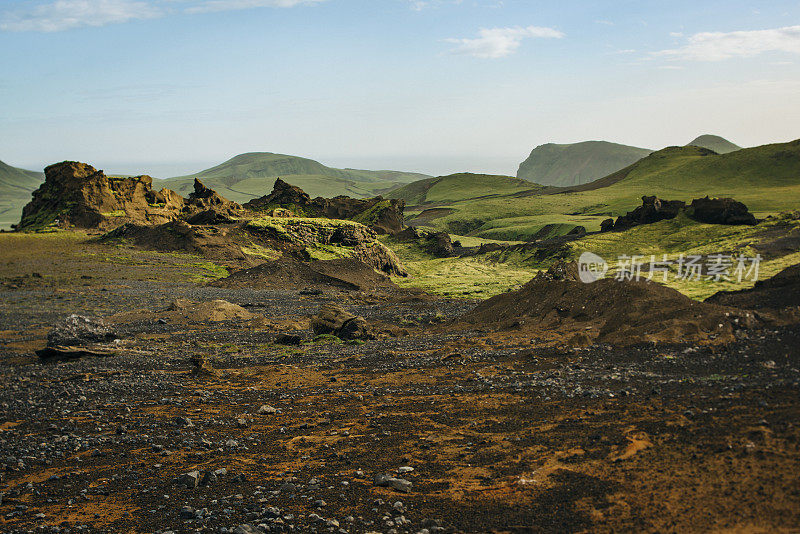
333	319
652	210
720	211
283	194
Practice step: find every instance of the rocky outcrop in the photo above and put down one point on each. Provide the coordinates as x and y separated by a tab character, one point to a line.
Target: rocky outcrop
707	210
77	195
652	210
354	238
283	194
720	211
385	216
439	244
381	258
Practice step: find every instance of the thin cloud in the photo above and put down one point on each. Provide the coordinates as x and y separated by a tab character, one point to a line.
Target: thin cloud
718	46
493	43
68	14
60	15
208	6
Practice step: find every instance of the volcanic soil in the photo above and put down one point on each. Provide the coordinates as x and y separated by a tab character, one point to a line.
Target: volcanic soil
494	431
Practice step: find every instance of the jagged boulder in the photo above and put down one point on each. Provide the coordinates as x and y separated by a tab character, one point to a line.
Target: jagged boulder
76	336
652	210
720	211
283	194
79	330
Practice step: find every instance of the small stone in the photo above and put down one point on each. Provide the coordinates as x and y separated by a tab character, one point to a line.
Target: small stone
397	484
184	422
288	488
209	477
266	409
189	479
288	339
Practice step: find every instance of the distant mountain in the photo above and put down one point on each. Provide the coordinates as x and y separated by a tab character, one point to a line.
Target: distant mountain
16	186
252	175
765	178
718	144
578	163
690	171
458	187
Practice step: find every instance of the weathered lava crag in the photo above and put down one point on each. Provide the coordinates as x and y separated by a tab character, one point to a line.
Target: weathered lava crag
385	216
77	195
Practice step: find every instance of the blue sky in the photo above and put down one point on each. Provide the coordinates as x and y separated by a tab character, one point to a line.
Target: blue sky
172	86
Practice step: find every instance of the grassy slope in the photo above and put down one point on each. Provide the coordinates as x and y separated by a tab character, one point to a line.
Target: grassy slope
16	186
459	187
490	274
252	175
718	144
766	178
579	163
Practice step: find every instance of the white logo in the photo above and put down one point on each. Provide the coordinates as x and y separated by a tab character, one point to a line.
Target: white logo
591	267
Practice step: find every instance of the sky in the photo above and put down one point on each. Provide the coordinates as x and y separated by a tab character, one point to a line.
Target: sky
169	87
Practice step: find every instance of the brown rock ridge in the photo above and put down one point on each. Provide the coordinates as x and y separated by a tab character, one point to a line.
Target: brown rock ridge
290	273
77	195
385	216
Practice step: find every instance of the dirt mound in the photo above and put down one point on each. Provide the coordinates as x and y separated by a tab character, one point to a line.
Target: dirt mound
187	311
607	311
208	241
779	292
290	273
75	194
384	216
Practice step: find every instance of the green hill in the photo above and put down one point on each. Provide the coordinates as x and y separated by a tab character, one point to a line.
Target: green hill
578	163
766	178
459	187
252	175
16	186
716	143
